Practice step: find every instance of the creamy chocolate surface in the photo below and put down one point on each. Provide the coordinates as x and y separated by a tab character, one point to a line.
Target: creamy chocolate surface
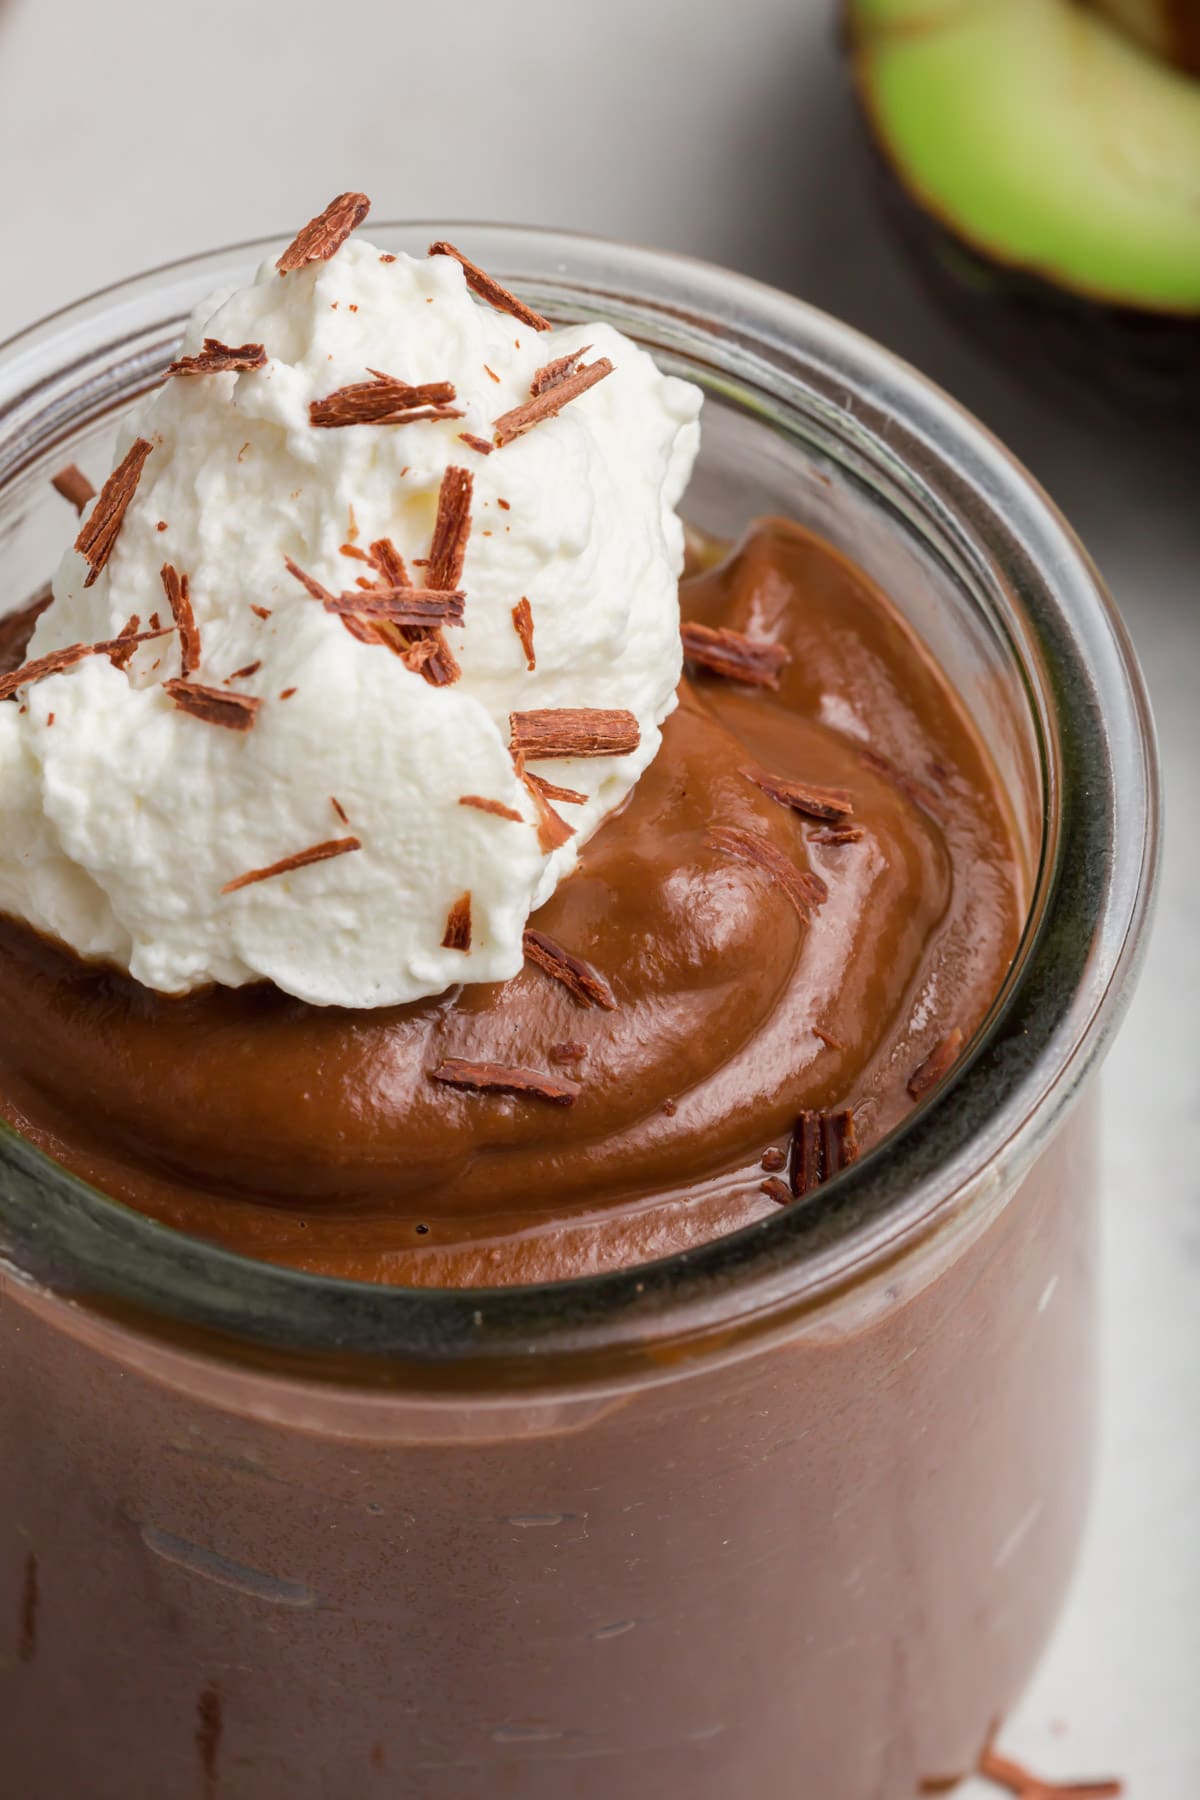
317	1136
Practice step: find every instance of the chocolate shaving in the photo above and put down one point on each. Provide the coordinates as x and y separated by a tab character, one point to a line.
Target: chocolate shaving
733	655
401	605
217	358
216	706
339	809
98	536
773	1159
384	401
777	1190
323	236
73	485
489	289
545	405
550	790
308	582
838	834
937	1064
242	674
830	1042
579	978
55	661
482	804
501	1078
474	442
802	796
300	860
179	600
127	638
573	731
261	612
569	1052
553	374
427	652
822	1145
917	791
458	925
805	890
451	530
1026	1786
522	618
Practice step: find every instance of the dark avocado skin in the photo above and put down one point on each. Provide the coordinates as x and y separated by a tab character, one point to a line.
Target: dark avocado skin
1107	360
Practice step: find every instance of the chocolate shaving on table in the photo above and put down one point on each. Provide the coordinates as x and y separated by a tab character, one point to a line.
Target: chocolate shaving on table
1018	1780
489	289
568	731
838	834
215	706
474	442
127	638
522	618
73	485
550	790
569	1052
401	605
55	661
937	1064
777	1190
179	600
99	534
217	358
805	890
545	405
481	803
300	860
822	1144
458	925
502	1078
451	529
917	791
323	236
384	401
733	655
802	796
552	374
580	979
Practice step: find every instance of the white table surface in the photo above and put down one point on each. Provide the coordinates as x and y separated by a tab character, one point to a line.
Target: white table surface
131	133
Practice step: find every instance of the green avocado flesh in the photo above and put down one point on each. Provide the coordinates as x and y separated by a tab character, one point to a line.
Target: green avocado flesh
1042	137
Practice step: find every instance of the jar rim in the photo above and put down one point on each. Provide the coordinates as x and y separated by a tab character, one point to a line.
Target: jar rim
1065	996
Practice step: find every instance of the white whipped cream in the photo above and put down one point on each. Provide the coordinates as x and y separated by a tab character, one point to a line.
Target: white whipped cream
123	818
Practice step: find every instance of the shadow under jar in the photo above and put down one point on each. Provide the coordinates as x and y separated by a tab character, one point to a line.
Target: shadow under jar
789	1512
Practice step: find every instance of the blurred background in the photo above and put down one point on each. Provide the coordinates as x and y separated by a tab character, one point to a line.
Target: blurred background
135	134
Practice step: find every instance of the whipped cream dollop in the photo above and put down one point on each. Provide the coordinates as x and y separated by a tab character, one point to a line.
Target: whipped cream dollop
129	813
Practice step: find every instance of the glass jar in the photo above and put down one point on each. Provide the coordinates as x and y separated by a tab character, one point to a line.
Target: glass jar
789	1512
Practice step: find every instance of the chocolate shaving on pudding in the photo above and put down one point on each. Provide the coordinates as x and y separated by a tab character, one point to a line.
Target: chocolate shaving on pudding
481	803
179	600
822	1145
937	1064
127	638
917	791
550	401
217	358
568	1052
244	674
489	289
384	401
98	536
73	485
401	605
829	1041
458	925
552	374
805	890
502	1078
1019	1781
474	442
838	834
777	1190
569	731
216	706
451	529
323	236
55	661
300	860
580	979
733	655
773	1159
802	796
522	618
550	790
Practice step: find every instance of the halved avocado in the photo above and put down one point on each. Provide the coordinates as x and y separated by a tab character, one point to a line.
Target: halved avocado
1051	159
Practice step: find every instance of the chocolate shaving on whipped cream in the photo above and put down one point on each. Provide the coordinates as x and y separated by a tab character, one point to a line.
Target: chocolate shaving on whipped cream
551	400
489	289
550	790
522	618
55	661
215	706
179	600
127	638
323	236
580	979
504	1078
458	925
474	442
570	731
481	803
216	358
384	400
99	534
299	860
552	374
401	605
